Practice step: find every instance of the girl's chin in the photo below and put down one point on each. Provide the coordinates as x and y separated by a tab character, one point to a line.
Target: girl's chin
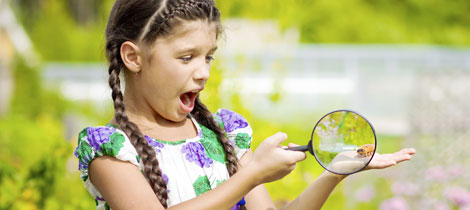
176	118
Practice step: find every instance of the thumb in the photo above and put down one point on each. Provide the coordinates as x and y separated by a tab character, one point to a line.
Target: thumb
292	145
298	155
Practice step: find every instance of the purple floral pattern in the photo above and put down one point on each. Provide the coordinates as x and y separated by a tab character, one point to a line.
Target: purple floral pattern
98	136
155	144
165	178
236	207
84	154
200	153
194	152
232	120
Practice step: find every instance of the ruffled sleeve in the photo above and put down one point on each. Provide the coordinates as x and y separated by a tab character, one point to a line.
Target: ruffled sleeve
95	142
237	128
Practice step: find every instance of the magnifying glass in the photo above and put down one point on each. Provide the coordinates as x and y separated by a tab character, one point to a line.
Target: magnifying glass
342	141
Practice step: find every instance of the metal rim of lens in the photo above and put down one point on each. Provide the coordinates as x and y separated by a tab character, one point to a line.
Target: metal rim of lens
315	155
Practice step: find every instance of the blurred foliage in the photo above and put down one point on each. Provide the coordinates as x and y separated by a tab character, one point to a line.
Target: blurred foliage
58	36
37	168
34	155
321	21
363	21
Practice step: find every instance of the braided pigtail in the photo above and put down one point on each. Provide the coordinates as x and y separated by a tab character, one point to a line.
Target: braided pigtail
147	154
143	21
204	116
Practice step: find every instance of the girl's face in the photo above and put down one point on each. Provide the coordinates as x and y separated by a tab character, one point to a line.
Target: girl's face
176	69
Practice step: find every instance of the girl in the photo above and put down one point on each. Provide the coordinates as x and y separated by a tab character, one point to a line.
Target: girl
163	148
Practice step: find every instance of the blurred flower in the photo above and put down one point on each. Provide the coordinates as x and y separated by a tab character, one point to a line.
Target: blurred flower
441	206
396	203
404	188
458	196
467	207
455	171
436	173
365	194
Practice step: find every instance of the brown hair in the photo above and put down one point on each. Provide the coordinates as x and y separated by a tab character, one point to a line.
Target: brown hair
145	20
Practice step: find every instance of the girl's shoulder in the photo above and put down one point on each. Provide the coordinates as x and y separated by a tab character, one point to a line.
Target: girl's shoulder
100	141
237	128
231	121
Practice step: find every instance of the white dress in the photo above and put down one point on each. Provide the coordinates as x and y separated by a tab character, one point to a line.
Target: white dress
190	167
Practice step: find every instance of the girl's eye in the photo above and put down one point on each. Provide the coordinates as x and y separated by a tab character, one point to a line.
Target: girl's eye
186	58
210	58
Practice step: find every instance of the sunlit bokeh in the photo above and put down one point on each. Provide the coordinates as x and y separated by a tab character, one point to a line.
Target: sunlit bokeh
282	64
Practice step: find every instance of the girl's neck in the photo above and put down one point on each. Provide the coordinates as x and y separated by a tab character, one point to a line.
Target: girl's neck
153	125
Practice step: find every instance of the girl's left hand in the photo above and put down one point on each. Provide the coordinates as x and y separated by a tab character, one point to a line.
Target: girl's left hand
348	162
380	161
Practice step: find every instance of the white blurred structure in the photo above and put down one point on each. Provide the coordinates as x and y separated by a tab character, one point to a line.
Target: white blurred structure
13	40
375	80
260	61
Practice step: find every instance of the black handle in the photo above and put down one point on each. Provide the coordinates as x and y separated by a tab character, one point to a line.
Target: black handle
299	148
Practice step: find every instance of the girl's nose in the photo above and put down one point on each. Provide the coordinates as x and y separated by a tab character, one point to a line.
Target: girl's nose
202	72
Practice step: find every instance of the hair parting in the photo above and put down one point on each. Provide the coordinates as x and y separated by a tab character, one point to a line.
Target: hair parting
152	19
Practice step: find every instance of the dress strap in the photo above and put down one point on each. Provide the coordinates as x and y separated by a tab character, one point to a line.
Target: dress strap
196	124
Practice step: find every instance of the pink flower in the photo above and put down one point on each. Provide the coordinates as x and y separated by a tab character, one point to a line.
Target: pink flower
404	188
436	173
441	206
455	171
458	196
365	194
396	203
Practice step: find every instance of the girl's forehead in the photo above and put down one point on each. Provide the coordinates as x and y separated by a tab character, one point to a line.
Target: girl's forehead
199	31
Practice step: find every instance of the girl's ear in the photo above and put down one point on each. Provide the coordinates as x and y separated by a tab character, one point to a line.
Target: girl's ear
131	56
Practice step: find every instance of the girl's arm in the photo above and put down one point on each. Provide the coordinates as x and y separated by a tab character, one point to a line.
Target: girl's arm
317	193
123	186
312	198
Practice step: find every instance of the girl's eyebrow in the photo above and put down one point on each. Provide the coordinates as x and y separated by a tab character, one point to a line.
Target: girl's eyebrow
213	49
194	48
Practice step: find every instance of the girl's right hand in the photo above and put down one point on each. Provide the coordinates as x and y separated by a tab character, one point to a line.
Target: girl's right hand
271	162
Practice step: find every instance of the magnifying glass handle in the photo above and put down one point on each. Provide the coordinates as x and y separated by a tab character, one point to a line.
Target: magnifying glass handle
299	148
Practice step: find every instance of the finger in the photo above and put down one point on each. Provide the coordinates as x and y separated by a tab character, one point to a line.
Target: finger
410	151
297	155
277	138
402	157
292	167
382	164
292	145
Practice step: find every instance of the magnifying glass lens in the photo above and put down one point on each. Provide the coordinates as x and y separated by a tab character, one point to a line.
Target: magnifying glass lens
343	142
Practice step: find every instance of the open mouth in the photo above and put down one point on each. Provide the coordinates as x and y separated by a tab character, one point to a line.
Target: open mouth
187	100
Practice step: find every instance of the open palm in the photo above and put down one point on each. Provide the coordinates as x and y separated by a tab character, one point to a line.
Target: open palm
380	161
348	161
